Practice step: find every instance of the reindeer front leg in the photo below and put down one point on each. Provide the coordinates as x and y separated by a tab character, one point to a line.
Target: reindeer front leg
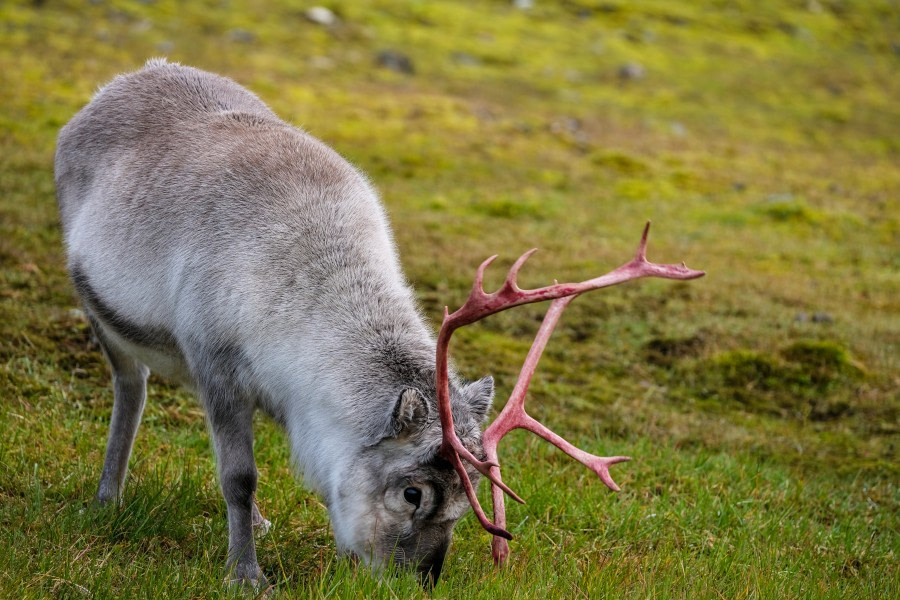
231	424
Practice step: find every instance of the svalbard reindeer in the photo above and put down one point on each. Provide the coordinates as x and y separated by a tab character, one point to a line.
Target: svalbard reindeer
213	243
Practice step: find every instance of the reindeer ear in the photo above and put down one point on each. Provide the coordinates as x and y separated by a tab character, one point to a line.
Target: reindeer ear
410	414
479	395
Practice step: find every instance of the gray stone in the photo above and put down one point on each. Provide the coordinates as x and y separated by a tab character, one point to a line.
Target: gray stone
321	16
632	71
321	62
466	59
241	36
395	61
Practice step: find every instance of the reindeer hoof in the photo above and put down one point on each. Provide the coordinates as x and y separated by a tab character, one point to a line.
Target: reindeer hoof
261	528
261	525
255	583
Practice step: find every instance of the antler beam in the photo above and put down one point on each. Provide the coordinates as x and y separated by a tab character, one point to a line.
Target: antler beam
481	304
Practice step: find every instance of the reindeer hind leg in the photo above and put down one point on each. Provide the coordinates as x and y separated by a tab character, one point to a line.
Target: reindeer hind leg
129	397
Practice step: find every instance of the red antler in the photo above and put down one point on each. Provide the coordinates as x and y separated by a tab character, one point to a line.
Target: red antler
479	305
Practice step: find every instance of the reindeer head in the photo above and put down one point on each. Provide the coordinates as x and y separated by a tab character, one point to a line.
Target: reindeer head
400	498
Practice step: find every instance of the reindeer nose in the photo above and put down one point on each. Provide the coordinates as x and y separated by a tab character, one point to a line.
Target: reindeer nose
430	567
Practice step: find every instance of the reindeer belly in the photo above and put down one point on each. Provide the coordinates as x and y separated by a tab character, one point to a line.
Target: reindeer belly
153	346
168	362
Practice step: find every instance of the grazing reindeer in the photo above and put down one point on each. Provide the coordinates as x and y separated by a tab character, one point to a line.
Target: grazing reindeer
215	244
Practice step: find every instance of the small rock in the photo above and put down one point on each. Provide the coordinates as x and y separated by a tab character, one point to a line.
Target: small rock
484	114
321	62
822	317
678	128
677	20
165	46
241	36
321	16
780	197
632	71
801	317
466	59
569	125
142	26
739	186
643	36
572	75
77	313
523	4
395	61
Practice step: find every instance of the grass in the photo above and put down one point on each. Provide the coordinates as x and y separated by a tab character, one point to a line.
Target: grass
760	403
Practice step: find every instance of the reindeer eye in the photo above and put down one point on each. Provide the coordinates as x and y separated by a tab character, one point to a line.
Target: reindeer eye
413	496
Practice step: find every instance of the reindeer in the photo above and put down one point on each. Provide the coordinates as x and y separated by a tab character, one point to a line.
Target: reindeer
213	243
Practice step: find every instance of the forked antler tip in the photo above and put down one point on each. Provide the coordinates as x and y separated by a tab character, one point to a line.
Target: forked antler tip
601	467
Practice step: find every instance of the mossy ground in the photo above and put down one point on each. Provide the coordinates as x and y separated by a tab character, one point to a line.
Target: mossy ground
760	403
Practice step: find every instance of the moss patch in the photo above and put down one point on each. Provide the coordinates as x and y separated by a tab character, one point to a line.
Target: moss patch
667	351
807	380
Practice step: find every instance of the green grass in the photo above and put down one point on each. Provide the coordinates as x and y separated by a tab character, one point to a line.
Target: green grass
760	403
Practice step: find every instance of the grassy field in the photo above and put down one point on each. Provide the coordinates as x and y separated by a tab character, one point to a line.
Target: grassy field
760	403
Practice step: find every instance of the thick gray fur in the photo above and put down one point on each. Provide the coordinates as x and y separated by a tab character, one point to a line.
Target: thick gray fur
213	243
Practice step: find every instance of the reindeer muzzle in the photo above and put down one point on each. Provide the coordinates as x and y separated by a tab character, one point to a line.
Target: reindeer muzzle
431	565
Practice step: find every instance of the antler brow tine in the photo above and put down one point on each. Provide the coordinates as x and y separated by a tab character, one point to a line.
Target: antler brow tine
480	305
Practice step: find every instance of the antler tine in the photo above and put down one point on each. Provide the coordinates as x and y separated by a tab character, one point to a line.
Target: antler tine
496	531
641	254
511	285
482	466
478	285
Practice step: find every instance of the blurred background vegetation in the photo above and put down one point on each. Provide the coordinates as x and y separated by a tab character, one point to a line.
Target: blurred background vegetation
761	402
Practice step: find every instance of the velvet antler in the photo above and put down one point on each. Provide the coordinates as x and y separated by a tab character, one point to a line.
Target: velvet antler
481	304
